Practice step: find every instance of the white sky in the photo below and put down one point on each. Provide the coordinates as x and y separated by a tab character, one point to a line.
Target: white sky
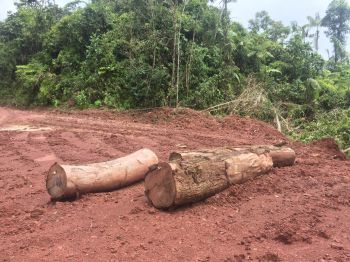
285	11
243	10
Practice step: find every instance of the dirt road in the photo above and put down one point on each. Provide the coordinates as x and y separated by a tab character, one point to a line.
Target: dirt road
299	213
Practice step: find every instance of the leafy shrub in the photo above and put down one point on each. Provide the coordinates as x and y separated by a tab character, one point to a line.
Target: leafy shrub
329	99
98	103
82	100
306	112
29	78
335	123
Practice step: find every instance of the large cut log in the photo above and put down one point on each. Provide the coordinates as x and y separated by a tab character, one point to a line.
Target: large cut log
173	184
281	156
65	181
192	176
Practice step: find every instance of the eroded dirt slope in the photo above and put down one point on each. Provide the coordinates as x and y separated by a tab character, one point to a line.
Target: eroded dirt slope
299	213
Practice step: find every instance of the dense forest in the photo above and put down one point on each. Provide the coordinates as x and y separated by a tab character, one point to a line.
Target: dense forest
147	53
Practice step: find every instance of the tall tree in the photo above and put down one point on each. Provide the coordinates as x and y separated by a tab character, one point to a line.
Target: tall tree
225	20
315	22
337	22
274	30
261	22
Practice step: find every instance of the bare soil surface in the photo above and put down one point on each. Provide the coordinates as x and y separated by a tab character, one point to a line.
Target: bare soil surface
299	213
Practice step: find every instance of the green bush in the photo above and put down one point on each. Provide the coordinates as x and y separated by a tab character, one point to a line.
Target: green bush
82	99
335	123
329	99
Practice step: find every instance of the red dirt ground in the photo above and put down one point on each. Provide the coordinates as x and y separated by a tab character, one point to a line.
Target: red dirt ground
299	213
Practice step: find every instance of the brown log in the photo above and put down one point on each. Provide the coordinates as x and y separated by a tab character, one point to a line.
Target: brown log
246	166
192	176
64	181
281	156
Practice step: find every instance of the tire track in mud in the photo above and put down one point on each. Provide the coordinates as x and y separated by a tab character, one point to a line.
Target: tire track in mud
76	147
98	145
10	154
32	157
128	137
19	182
23	196
134	130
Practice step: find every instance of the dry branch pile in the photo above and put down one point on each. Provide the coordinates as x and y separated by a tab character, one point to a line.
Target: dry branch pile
254	102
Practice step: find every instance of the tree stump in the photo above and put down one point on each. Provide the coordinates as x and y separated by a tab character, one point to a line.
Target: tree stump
65	181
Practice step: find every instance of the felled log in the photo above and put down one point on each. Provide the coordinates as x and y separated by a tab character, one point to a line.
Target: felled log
65	181
193	176
281	156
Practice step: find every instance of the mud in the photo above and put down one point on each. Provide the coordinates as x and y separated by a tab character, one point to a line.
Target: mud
298	213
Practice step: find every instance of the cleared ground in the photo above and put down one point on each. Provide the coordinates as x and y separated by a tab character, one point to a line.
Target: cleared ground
299	213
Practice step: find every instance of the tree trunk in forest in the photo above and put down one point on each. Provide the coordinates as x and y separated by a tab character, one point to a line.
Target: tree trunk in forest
178	56
173	77
64	181
317	38
193	176
189	65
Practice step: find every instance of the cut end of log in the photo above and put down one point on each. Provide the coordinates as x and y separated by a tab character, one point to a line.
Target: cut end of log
160	186
56	181
283	157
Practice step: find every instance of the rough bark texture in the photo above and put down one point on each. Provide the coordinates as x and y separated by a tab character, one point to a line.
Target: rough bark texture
245	166
197	180
65	181
192	176
281	156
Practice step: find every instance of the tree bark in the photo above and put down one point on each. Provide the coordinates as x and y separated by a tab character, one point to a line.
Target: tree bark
193	176
64	181
281	156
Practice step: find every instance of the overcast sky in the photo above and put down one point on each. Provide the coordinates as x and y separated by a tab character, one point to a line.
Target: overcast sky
285	11
243	10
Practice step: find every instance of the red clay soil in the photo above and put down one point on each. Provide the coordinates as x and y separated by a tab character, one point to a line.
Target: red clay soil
299	213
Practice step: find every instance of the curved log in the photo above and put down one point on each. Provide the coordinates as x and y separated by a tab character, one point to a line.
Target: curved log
64	181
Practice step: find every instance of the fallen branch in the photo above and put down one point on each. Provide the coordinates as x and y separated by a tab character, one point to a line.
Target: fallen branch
278	123
216	107
346	150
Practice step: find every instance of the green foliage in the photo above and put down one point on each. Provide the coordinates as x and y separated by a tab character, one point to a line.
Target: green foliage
134	54
82	100
337	22
29	77
141	54
302	112
335	123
